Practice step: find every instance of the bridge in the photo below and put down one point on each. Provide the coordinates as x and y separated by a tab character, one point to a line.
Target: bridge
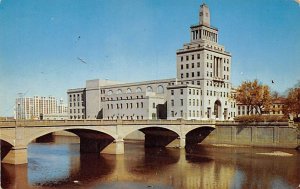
100	136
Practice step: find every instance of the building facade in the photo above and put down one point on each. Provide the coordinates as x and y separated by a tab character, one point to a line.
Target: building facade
39	108
201	90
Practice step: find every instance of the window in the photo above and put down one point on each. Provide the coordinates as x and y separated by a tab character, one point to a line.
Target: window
192	57
190	91
193	75
181	91
193	102
138	90
172	102
172	92
112	106
193	65
187	58
181	58
110	92
198	74
187	66
198	64
198	82
131	105
181	75
142	105
181	113
107	106
119	91
181	66
153	105
149	89
181	102
128	90
197	102
160	89
172	113
190	102
187	75
198	56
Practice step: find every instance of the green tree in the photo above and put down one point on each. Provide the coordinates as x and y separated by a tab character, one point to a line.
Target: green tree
255	95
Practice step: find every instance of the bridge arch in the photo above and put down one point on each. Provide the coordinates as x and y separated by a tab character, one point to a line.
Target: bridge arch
197	135
7	139
127	131
44	131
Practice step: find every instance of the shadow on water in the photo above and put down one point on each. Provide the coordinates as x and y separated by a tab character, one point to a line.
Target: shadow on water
62	166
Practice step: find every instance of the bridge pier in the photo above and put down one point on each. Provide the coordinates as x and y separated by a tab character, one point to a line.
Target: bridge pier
16	156
105	146
116	147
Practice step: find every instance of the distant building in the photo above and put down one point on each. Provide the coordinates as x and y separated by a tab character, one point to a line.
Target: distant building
201	90
275	109
39	107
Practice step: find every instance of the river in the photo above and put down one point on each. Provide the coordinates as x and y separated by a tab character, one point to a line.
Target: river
59	164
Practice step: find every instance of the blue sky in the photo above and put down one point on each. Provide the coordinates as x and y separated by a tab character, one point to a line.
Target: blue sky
134	40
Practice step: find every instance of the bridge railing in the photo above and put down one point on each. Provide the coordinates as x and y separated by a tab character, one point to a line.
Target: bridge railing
46	123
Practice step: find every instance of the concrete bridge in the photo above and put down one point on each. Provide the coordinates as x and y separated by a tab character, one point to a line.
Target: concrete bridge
100	136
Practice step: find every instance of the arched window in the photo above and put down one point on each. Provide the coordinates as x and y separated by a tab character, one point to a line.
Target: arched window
110	92
160	89
138	90
128	90
119	91
149	89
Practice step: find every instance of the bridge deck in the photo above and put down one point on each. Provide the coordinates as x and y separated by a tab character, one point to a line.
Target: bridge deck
47	123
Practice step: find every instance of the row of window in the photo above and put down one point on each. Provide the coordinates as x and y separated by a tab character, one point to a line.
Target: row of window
191	91
187	57
128	105
192	66
191	113
76	97
121	98
187	75
78	104
78	111
77	117
214	93
125	117
160	89
217	84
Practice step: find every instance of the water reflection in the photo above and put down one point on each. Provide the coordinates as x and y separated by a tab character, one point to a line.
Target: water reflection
62	166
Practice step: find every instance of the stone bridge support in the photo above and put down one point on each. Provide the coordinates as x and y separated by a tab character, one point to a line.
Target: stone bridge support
16	155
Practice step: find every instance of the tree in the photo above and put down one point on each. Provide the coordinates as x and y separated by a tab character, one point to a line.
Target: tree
255	95
292	103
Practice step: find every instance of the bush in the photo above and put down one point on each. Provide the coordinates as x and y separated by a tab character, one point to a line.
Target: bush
261	118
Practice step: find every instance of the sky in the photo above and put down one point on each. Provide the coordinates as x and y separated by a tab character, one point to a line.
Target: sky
42	43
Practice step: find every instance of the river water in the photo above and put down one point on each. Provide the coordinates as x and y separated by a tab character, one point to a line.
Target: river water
60	165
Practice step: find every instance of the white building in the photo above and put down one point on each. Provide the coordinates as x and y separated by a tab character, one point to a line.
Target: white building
39	107
202	89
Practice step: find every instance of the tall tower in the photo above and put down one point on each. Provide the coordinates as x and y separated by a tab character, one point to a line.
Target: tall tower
205	63
204	15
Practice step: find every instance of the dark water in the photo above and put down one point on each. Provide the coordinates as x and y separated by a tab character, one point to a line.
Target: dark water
55	165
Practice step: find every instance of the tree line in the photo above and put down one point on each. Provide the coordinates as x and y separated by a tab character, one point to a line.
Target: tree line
258	97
